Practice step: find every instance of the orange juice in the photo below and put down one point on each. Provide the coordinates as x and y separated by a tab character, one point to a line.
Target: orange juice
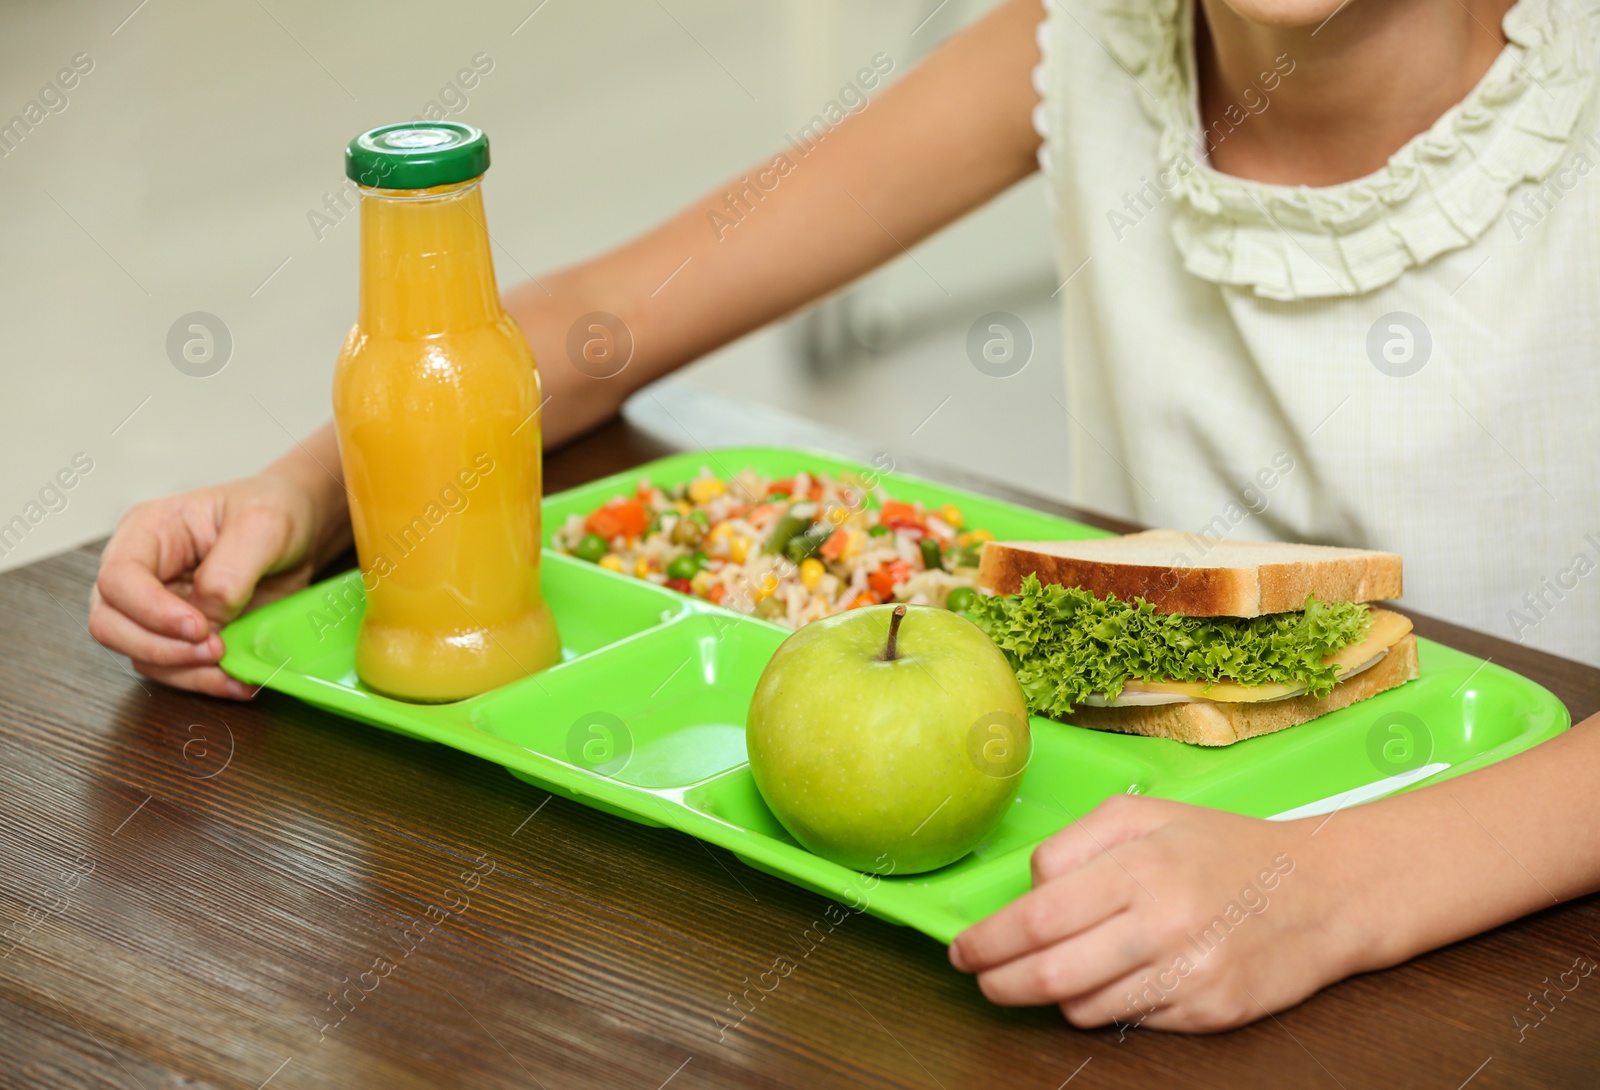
436	403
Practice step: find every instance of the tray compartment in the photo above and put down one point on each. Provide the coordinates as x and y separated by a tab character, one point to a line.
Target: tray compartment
595	608
1460	712
733	799
664	710
315	630
1003	519
1065	780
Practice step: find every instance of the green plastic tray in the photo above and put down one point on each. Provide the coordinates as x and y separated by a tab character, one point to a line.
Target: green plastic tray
645	716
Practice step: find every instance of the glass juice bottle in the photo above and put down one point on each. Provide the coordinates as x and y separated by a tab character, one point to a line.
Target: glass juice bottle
436	403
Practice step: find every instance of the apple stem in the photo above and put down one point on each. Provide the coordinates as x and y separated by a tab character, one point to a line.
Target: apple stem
895	618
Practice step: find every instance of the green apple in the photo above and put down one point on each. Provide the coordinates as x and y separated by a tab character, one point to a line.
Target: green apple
889	739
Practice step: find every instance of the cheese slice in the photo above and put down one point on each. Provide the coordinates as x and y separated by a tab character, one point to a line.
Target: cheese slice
1388	628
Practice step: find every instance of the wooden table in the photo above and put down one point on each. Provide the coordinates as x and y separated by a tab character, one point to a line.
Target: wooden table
193	887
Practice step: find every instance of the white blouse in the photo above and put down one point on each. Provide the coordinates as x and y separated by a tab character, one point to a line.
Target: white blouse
1409	361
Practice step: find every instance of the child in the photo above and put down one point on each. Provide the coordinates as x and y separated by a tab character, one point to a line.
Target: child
1352	235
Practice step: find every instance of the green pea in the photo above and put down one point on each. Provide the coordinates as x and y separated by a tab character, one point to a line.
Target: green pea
687	532
960	599
685	567
591	548
700	516
878	531
777	497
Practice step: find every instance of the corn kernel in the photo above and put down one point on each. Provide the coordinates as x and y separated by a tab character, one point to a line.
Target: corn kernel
611	562
811	572
701	582
641	567
706	489
951	514
683	506
974	537
769	584
739	549
853	544
837	514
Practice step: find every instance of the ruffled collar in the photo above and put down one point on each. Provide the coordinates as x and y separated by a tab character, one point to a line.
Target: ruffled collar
1438	193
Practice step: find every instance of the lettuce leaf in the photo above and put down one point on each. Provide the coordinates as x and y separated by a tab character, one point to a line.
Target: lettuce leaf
1065	643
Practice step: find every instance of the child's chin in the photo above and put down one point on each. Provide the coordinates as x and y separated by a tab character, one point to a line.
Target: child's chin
1286	13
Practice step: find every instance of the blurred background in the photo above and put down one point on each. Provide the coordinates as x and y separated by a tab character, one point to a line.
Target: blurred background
196	168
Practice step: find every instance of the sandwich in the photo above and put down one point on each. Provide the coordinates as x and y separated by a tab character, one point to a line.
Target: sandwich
1130	634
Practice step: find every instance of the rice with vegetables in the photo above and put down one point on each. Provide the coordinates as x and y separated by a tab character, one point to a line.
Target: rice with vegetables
789	550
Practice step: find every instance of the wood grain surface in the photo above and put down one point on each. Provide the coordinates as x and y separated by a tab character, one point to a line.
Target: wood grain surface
206	894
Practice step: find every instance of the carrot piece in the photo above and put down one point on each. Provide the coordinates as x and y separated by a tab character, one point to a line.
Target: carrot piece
886	578
762	514
602	522
902	516
833	548
620	517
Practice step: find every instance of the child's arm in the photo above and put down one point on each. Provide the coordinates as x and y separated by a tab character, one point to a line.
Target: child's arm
1177	917
940	142
180	567
953	133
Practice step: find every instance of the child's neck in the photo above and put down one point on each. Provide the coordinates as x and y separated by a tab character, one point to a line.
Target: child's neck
1371	77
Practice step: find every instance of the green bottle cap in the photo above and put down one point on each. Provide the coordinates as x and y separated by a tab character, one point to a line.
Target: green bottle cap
417	155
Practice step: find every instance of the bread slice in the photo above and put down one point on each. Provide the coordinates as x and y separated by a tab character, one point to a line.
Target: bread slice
1207	723
1200	576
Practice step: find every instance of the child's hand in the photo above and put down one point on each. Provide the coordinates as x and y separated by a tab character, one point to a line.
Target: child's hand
1168	915
179	568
